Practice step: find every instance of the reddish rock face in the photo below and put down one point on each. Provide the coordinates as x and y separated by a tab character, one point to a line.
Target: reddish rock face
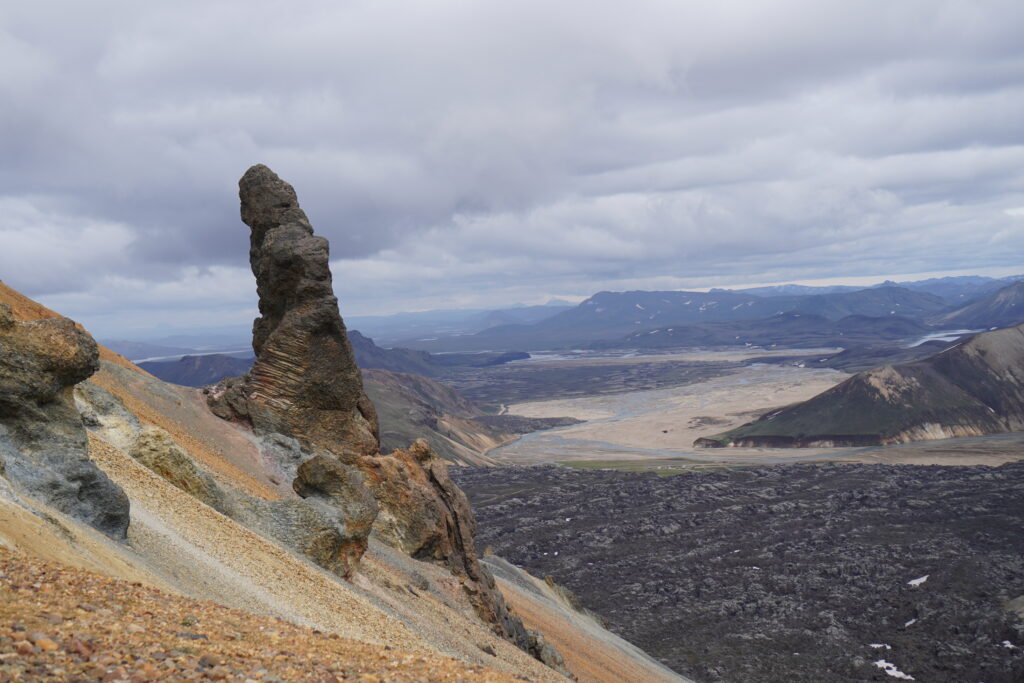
305	382
425	515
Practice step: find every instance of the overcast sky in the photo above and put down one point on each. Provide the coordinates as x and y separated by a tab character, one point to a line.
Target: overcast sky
477	154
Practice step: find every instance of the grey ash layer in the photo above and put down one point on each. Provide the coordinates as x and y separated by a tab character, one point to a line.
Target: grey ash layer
787	573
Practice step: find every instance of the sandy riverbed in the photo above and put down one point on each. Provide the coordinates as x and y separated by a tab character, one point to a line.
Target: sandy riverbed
665	422
662	424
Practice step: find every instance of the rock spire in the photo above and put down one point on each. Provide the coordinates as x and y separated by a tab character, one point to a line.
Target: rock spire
305	382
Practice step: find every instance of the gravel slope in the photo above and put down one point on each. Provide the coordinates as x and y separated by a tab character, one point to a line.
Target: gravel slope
58	623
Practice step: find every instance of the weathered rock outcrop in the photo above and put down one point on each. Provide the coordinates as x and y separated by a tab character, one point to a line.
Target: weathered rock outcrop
329	523
43	443
338	491
425	515
305	382
971	389
155	449
305	385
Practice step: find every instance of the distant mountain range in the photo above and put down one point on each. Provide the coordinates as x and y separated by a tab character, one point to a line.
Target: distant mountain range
785	329
661	320
615	315
955	290
198	371
973	388
390	329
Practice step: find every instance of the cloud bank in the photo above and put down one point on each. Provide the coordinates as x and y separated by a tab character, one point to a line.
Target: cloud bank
483	153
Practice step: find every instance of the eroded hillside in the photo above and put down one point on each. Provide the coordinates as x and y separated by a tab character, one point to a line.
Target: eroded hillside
268	495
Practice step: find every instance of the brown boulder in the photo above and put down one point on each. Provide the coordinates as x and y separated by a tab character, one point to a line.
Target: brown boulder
339	493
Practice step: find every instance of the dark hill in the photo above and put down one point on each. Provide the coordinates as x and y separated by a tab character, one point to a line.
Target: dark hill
409	405
784	329
369	355
198	371
971	389
1001	309
867	357
201	370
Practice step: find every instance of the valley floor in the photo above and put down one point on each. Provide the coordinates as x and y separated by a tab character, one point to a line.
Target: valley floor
657	428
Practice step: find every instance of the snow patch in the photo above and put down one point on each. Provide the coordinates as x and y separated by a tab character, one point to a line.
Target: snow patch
918	581
890	668
1008	645
910	623
880	646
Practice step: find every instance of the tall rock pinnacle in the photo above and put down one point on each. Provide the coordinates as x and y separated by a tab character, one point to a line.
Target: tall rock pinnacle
305	382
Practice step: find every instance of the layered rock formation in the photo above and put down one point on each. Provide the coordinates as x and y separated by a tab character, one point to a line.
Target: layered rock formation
971	389
304	382
43	443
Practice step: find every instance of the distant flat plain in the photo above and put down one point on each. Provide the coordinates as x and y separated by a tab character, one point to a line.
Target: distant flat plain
655	428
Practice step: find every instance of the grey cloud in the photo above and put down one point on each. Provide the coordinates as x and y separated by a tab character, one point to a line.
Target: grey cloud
493	152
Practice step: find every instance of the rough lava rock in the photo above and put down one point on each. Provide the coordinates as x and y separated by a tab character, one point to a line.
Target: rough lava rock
802	573
305	382
43	442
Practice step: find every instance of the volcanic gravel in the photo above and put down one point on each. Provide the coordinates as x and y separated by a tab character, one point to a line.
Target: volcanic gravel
784	573
62	624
